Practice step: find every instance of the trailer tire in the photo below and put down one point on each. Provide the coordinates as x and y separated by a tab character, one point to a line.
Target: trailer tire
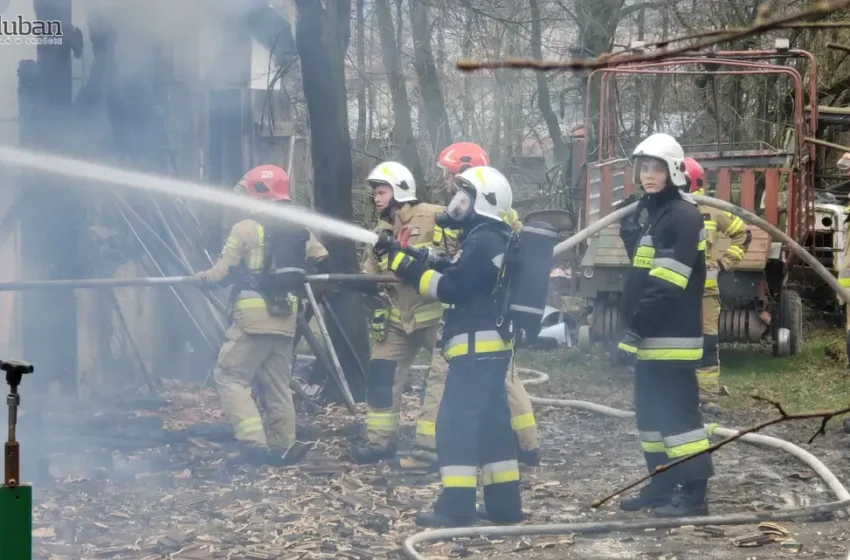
791	318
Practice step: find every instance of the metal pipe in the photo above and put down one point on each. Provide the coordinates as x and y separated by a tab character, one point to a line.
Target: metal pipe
343	383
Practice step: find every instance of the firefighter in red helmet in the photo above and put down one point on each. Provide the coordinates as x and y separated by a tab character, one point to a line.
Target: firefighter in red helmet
258	343
717	223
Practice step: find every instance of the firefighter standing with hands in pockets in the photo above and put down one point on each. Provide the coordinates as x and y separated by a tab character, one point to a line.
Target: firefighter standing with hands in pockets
662	307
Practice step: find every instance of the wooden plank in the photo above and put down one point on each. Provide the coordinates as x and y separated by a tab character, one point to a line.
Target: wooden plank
605	191
748	189
724	185
771	196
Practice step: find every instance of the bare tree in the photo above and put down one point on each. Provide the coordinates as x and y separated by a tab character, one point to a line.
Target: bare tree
437	119
322	39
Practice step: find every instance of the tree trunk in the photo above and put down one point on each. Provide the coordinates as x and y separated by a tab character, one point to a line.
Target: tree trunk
544	100
361	85
322	39
437	119
403	126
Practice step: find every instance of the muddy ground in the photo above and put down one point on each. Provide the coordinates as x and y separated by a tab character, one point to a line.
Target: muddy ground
190	499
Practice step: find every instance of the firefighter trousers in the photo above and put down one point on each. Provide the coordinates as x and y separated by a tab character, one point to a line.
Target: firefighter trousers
522	414
474	429
708	373
389	369
247	358
669	421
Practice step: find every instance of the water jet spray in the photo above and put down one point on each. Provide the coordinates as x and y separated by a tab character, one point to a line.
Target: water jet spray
105	176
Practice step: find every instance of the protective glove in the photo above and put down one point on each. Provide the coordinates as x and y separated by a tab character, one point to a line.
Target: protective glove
379	325
626	354
385	243
631	222
203	283
399	262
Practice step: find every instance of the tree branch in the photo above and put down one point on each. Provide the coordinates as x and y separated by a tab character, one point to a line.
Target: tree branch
709	39
825	417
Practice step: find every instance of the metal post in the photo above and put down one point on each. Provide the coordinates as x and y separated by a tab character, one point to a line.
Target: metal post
15	498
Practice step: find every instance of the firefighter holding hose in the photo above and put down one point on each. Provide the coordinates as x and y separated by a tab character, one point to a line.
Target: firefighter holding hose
717	223
454	160
473	426
662	304
405	322
258	343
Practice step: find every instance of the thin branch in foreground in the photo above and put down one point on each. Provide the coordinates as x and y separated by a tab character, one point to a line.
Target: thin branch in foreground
825	417
709	39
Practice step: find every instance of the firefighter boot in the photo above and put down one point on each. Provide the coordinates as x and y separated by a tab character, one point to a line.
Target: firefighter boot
420	460
691	500
529	457
437	520
481	513
365	453
655	494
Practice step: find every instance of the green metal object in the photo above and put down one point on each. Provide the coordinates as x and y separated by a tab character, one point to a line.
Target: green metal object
16	522
15	498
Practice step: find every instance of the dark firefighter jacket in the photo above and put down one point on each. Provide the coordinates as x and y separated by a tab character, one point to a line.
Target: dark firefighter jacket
662	298
467	285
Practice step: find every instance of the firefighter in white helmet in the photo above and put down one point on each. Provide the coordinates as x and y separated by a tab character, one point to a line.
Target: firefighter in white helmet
474	423
404	322
662	304
454	160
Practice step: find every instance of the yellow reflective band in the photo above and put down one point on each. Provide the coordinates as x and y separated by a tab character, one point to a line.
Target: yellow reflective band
249	303
642	262
428	313
710	224
459	476
395	315
627	348
460	481
382	421
383	263
248	426
736	251
231	243
500	472
437	235
673	277
485	342
736	226
844	282
645	251
257	254
397	260
683	354
452	233
701	245
523	421
426	428
687	448
653	447
711	282
425	280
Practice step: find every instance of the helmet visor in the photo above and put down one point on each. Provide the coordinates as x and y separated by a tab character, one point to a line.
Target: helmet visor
460	208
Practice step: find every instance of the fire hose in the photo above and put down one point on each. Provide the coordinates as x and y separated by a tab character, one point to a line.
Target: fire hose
813	462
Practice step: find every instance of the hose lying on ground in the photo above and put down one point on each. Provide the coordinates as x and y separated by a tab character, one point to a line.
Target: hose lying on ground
733	519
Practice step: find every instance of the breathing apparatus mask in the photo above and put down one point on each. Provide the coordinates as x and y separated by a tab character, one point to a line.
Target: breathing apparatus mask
461	208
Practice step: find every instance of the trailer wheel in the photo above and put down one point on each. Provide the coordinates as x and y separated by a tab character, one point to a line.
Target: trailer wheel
782	343
791	318
584	337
